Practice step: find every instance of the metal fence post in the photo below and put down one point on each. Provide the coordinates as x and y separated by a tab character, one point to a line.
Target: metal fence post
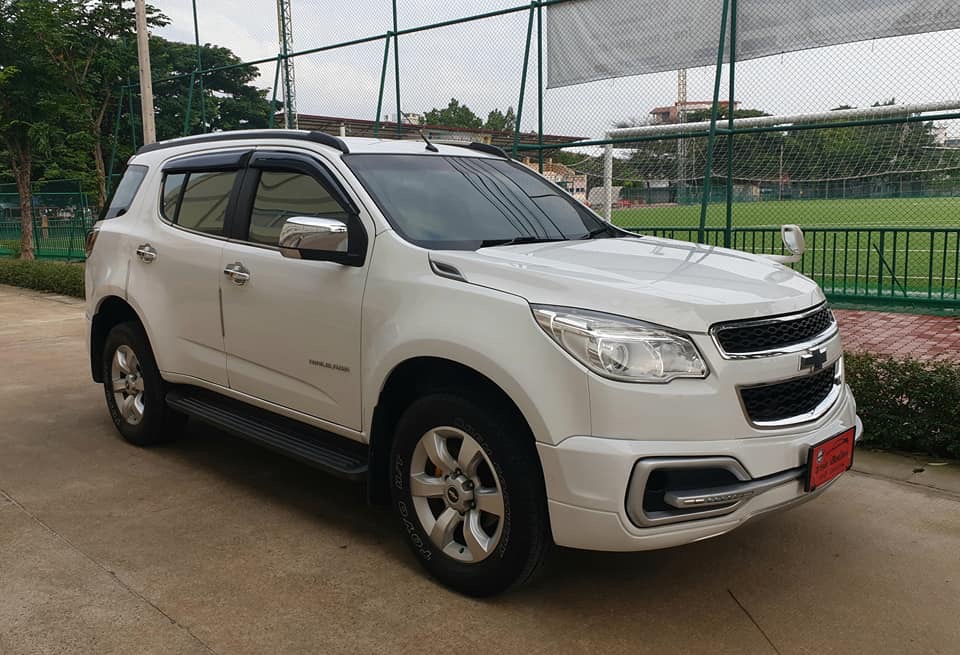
730	110
540	86
711	138
273	100
116	136
203	100
383	80
523	83
396	66
608	182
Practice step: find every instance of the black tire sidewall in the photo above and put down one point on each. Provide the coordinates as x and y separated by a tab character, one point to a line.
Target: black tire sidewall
509	446
150	429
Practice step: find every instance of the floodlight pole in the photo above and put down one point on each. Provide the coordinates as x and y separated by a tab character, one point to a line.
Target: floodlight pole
146	80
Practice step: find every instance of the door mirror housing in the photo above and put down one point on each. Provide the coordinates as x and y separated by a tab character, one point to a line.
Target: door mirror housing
793	239
322	238
794	242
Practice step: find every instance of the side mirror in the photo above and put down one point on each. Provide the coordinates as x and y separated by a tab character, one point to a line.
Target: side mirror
793	239
318	238
794	242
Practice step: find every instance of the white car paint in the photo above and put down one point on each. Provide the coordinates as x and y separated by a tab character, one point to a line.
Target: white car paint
590	431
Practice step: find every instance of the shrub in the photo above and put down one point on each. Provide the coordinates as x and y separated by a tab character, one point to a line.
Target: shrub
906	404
58	277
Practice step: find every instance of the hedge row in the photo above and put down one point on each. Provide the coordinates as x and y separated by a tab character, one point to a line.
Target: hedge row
906	404
58	277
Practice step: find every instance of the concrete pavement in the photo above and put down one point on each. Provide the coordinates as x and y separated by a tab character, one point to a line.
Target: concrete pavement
212	545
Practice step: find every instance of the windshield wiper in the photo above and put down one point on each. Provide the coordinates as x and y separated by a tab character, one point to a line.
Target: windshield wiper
487	243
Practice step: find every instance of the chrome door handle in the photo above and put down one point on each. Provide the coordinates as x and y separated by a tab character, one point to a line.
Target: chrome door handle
238	273
146	253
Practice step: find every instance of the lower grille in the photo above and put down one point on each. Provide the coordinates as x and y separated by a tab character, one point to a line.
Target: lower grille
793	401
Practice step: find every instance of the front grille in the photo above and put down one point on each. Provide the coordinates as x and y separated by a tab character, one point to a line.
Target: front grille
748	337
786	400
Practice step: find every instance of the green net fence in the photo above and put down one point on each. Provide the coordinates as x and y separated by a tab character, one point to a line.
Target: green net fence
61	215
855	138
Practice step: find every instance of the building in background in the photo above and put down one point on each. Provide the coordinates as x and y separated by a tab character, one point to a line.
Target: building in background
671	113
563	176
440	133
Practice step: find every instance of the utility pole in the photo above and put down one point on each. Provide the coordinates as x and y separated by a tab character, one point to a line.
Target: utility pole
146	77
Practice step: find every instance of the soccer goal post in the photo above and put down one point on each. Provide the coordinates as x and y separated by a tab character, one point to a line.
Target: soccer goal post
881	141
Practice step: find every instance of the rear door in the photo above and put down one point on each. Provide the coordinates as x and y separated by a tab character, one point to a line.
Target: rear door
292	327
175	270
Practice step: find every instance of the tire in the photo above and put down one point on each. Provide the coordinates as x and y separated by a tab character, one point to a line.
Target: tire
130	372
494	454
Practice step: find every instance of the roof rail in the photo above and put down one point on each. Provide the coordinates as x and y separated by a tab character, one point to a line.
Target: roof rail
487	148
300	135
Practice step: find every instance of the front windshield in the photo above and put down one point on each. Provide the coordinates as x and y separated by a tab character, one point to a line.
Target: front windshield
465	203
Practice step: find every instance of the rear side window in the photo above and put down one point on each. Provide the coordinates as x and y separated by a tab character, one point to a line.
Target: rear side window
198	200
124	193
281	195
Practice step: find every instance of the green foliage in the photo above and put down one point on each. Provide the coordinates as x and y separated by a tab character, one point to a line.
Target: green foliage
500	121
57	277
906	404
457	115
229	100
453	115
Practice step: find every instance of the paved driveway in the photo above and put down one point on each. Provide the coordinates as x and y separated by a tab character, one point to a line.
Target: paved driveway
211	545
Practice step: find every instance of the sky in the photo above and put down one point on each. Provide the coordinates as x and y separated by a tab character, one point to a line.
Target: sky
480	64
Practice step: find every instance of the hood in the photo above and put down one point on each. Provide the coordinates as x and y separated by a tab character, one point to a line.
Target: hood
676	284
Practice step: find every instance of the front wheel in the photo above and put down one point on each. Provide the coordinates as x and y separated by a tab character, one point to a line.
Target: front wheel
468	490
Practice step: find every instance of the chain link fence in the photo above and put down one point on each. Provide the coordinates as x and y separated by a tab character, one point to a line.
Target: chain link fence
858	143
61	215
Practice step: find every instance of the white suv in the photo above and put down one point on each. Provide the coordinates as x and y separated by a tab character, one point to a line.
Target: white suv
502	365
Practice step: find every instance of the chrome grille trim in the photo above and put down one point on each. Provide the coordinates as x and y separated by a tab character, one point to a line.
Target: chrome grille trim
817	412
813	342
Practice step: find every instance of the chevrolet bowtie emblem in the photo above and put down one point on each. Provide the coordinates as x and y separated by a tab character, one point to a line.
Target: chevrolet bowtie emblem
813	360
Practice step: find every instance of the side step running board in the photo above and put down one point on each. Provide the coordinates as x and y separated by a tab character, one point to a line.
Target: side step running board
318	448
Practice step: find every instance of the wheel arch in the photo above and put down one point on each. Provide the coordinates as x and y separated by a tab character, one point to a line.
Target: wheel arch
112	311
410	379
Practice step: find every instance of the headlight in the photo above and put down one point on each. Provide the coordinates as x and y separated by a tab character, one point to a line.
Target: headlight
621	348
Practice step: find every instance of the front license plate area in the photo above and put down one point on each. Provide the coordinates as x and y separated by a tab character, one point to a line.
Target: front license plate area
828	459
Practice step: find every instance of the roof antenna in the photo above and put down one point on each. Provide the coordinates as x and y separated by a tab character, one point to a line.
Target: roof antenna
430	146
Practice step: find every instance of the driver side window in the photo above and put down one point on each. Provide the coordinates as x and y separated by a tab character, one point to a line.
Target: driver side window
281	195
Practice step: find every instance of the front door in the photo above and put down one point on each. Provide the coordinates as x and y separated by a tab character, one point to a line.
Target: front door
291	326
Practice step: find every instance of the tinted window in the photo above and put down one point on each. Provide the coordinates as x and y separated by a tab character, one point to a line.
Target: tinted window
204	204
125	191
468	202
172	184
282	195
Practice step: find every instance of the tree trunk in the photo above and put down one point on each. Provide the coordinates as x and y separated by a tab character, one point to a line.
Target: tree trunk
22	166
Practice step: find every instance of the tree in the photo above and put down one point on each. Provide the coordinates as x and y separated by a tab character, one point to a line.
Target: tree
29	111
500	121
453	115
90	46
229	100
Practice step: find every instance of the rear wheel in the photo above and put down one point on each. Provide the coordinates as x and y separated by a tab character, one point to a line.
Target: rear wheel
134	390
468	490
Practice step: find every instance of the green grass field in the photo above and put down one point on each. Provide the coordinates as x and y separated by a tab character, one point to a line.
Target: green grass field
863	260
880	212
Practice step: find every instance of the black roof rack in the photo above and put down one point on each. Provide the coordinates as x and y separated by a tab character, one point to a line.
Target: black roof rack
487	148
315	137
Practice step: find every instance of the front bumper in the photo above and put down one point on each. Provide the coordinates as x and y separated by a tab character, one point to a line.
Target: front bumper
590	497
